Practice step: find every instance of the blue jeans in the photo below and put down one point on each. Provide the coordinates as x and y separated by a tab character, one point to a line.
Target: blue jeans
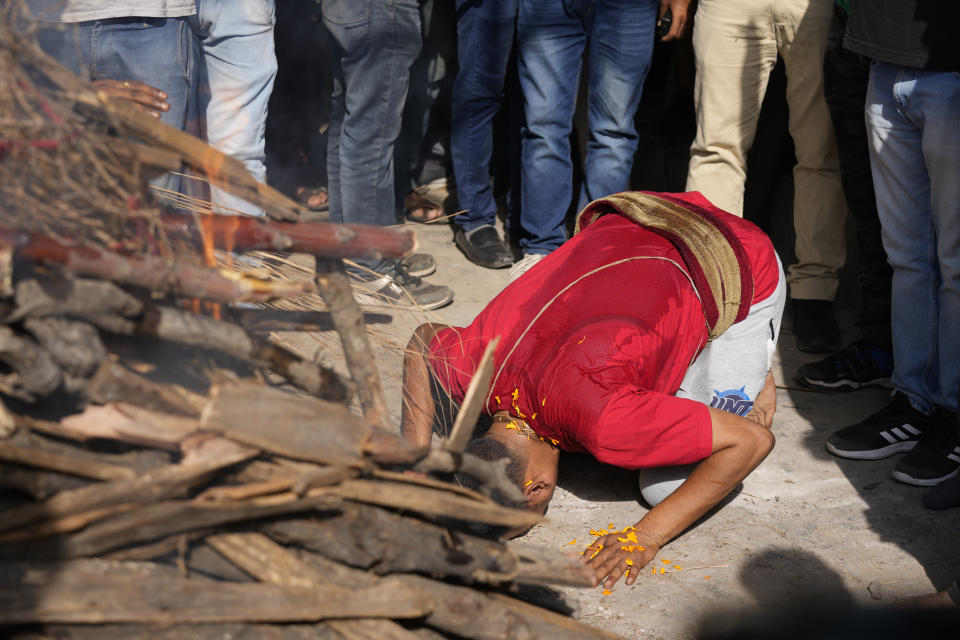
156	51
913	125
551	37
485	33
376	42
237	41
423	148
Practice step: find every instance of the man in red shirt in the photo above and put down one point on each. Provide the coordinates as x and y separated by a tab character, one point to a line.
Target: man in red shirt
604	349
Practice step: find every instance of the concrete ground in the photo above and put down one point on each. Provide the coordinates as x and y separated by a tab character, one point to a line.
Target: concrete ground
805	524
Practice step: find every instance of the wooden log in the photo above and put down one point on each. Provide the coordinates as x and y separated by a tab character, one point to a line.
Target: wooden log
492	476
331	280
354	536
38	373
322	239
62	594
208	456
301	427
456	610
65	524
85	468
384	542
123	422
8	423
491	616
473	401
75	346
269	320
150	272
115	383
189	328
145	155
37	484
71	297
432	502
269	562
208	631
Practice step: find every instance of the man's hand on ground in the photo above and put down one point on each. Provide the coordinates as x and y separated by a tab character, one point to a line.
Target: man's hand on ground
148	99
765	404
620	553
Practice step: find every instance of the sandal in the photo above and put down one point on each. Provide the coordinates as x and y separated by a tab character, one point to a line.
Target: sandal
418	209
313	198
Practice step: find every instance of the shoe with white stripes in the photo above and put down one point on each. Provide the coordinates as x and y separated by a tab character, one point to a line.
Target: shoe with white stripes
894	429
936	457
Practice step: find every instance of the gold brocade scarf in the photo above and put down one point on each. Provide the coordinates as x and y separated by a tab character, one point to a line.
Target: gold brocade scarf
711	251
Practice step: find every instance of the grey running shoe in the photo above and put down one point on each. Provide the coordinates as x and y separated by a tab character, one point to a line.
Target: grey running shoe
398	289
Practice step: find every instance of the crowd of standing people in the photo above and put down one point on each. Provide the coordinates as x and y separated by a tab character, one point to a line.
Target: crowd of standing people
872	86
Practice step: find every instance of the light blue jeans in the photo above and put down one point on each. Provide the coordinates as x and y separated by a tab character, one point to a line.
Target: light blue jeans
237	42
913	125
156	51
551	38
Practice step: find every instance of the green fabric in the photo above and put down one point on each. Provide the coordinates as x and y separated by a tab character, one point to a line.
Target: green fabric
843	4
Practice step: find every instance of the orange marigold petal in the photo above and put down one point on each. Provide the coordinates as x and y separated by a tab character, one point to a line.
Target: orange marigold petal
606	592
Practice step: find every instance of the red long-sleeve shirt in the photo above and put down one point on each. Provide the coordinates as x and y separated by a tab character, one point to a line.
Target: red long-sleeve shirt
595	340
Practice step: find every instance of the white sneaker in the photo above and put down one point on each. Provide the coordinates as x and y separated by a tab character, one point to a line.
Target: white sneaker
524	264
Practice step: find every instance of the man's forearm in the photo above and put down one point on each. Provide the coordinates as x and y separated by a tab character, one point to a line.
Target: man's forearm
739	445
418	409
743	447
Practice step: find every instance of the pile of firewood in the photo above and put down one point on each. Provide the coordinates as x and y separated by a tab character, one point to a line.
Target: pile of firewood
258	504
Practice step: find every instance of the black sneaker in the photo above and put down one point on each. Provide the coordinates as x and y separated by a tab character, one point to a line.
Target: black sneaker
860	364
399	289
815	327
936	457
483	247
945	495
419	265
894	429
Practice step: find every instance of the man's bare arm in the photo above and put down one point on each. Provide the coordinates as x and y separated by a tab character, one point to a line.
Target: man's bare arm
739	445
418	409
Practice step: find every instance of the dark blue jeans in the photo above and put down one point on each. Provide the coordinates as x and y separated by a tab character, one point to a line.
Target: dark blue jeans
157	51
376	42
551	38
485	33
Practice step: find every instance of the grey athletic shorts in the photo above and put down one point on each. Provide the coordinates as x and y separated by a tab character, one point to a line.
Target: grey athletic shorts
728	374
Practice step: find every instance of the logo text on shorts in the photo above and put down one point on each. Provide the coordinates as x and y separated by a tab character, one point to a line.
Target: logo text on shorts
732	400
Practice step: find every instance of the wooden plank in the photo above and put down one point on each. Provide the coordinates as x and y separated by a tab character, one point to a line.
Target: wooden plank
127	423
84	468
211	454
61	594
457	610
331	281
473	401
301	427
433	502
269	562
356	535
152	521
115	383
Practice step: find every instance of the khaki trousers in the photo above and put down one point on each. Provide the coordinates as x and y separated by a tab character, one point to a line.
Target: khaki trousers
736	44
